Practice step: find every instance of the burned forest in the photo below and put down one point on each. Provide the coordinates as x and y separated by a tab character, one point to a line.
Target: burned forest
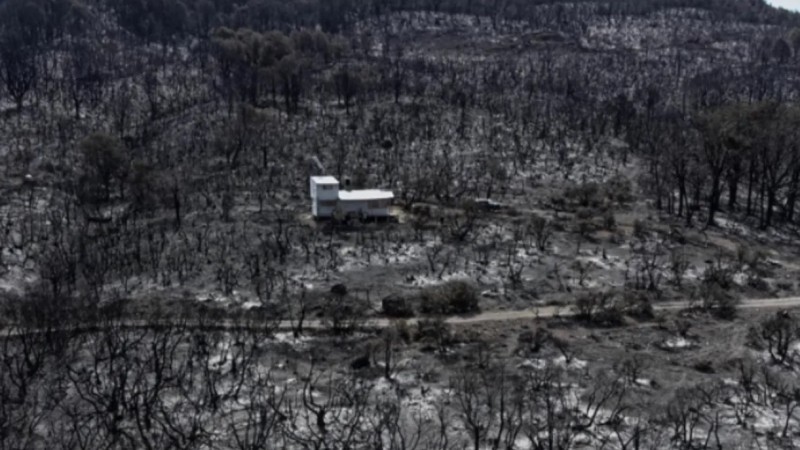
399	224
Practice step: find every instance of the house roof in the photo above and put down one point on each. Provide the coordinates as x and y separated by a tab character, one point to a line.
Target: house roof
365	195
327	179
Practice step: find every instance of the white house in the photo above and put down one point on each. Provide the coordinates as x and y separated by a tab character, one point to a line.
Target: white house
327	198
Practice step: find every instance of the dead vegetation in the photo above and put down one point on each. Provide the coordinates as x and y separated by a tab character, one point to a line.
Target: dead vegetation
602	157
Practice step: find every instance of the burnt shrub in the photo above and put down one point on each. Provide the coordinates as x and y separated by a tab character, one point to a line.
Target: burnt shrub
584	194
599	309
638	304
339	290
619	189
397	306
453	297
434	332
715	296
533	341
704	366
433	302
463	298
343	314
403	331
720	274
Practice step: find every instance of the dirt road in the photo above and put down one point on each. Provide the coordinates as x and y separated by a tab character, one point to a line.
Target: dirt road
565	311
484	317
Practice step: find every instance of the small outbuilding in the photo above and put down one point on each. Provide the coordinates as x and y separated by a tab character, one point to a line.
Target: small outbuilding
327	198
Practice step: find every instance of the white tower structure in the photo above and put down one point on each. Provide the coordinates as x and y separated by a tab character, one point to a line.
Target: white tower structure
324	195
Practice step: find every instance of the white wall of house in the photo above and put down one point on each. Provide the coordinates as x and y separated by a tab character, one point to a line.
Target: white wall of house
370	208
324	208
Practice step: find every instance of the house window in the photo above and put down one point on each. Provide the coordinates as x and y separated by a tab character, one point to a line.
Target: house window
327	187
375	204
328	203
